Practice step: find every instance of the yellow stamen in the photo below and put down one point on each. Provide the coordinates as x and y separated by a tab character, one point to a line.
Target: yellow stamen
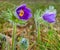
21	13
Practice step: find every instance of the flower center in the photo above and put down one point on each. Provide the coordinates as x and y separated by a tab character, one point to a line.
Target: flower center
21	13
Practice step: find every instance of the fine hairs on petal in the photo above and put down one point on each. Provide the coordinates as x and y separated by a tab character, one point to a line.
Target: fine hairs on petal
51	9
21	6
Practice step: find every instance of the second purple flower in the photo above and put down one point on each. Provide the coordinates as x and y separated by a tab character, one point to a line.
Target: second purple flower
50	15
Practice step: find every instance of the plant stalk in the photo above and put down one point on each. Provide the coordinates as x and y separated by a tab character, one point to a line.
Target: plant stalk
14	36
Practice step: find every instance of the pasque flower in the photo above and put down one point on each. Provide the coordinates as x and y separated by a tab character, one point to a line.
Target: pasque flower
23	12
24	43
50	14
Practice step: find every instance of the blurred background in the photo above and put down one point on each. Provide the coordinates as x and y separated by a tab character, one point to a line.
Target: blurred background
6	27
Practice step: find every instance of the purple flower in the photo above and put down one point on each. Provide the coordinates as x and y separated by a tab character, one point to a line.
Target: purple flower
23	13
50	15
